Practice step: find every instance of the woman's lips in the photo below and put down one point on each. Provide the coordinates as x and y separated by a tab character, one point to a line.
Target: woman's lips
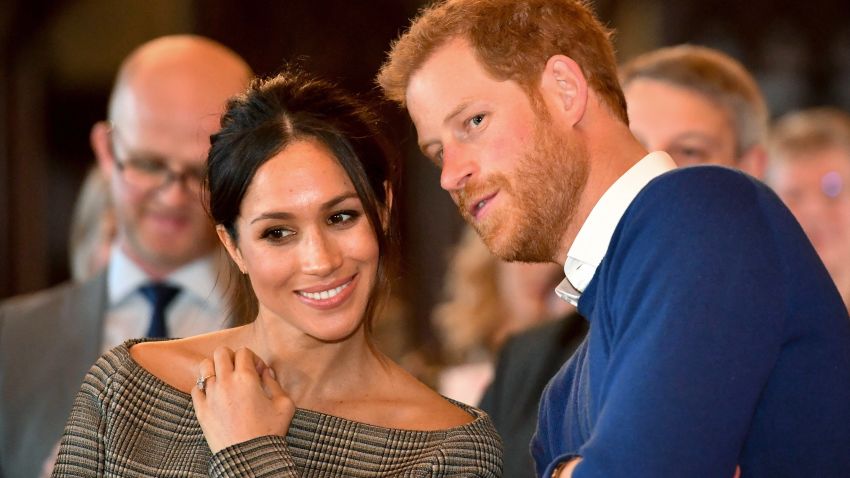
327	296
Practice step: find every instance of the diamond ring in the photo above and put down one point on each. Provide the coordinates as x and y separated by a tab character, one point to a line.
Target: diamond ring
202	381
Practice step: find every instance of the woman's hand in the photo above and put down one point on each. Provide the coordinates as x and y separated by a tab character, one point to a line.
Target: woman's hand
240	399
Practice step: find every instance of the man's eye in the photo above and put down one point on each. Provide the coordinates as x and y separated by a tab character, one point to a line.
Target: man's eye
688	156
693	152
476	120
435	156
147	165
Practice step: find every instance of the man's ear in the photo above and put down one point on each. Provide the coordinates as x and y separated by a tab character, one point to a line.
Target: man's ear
231	247
754	162
101	144
564	89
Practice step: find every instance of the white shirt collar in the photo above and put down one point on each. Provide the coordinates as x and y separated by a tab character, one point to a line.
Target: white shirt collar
197	278
591	242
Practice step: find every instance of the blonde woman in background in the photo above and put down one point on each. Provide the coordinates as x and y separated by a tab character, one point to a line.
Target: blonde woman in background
485	301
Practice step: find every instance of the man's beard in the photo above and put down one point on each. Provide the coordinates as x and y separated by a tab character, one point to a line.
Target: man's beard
547	186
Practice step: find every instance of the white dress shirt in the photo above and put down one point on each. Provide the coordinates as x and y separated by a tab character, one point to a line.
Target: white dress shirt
591	242
197	309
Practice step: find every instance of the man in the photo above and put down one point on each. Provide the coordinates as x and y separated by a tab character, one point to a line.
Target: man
809	168
161	278
700	106
711	317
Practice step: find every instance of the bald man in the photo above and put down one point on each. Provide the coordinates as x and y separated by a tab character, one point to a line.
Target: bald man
162	276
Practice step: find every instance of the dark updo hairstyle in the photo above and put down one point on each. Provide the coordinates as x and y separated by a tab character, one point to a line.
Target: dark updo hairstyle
293	106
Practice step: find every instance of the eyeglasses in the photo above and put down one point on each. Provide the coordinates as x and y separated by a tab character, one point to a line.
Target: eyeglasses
151	173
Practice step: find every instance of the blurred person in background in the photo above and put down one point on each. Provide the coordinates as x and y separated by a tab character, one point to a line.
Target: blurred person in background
702	107
92	227
485	301
162	278
699	105
809	168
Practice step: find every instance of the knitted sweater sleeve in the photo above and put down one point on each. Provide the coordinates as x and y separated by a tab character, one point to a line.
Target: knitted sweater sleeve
690	312
263	457
82	451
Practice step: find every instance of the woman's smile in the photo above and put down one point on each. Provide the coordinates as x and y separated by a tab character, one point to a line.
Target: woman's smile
328	297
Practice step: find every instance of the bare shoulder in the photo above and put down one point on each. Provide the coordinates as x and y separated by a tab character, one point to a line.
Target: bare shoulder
421	408
175	362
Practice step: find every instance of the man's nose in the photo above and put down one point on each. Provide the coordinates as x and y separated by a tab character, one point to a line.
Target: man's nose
458	167
177	191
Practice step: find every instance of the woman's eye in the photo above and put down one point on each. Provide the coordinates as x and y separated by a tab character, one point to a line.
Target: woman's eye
276	233
343	217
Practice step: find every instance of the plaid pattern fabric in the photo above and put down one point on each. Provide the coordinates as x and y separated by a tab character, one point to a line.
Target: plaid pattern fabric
128	423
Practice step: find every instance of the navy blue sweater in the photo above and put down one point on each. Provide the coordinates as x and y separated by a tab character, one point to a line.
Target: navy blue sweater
716	339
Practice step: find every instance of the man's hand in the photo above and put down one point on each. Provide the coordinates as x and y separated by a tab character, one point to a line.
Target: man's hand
566	471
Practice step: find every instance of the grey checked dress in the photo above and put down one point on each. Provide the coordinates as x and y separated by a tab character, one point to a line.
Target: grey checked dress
128	423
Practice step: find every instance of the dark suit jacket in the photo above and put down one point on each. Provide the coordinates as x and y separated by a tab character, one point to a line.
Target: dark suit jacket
48	341
526	363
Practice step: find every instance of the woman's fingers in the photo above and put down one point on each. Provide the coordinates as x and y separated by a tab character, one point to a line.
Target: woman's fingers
259	365
271	386
246	361
206	375
199	402
223	359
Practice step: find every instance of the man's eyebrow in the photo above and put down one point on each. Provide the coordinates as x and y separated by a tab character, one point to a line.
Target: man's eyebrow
687	135
456	111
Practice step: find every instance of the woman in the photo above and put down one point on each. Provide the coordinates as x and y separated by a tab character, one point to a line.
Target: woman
300	187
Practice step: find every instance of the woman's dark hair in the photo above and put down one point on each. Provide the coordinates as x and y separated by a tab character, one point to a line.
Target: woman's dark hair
293	106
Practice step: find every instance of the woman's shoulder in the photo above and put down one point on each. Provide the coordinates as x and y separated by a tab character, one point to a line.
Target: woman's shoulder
435	412
175	361
115	361
476	442
118	372
465	435
418	407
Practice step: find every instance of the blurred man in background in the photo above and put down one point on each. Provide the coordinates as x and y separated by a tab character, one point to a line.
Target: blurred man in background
162	279
809	168
699	105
